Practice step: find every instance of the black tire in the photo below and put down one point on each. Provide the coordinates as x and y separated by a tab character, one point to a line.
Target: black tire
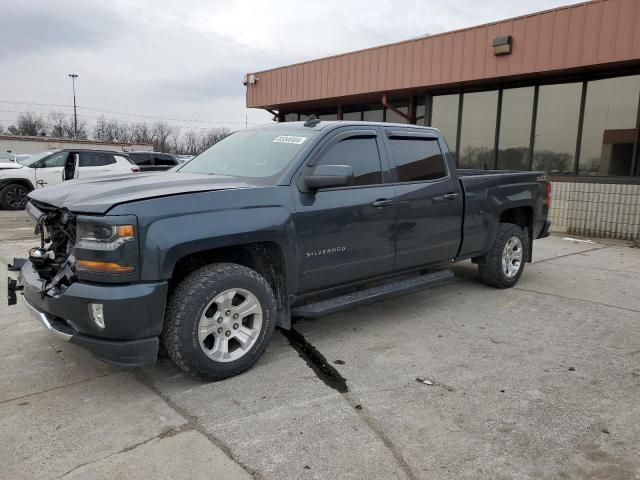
187	305
491	270
13	197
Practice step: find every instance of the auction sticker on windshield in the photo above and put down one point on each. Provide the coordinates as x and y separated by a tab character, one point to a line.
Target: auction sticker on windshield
290	139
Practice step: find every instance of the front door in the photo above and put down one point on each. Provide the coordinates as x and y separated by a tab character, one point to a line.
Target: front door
346	234
49	170
429	201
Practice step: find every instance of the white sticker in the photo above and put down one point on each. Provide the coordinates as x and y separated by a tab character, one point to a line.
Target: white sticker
290	139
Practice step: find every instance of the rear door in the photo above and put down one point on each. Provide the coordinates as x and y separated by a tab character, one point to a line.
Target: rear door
428	198
143	160
163	161
343	236
94	164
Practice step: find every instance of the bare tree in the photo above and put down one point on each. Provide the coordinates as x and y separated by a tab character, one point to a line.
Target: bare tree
161	132
189	144
141	133
28	123
111	131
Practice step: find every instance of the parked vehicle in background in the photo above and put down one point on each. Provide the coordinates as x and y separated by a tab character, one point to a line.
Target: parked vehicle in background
153	161
281	220
53	167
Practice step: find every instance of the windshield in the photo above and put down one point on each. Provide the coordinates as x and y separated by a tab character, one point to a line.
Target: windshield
251	153
29	161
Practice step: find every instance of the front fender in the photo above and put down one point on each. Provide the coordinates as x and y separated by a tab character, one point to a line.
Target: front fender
167	240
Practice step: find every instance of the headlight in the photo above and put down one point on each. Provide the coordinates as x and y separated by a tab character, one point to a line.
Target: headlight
100	236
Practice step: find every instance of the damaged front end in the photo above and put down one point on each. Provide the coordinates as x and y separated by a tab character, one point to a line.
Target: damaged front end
53	259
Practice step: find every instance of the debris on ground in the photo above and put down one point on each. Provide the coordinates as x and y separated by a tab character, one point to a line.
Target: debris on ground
424	380
339	362
358	407
572	369
605	430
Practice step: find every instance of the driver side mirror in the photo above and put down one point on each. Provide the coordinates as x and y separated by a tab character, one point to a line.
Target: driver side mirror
329	176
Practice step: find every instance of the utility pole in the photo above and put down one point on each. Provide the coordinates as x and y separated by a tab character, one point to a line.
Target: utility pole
75	114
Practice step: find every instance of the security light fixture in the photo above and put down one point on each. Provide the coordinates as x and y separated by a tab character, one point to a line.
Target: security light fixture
502	45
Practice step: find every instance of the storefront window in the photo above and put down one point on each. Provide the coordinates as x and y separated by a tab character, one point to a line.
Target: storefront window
478	131
393	117
515	128
557	128
420	111
445	117
373	113
609	126
291	117
352	112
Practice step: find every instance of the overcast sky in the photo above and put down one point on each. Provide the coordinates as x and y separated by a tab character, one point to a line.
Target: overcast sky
184	60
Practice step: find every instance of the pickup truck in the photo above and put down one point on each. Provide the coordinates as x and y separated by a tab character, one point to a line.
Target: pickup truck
290	219
17	179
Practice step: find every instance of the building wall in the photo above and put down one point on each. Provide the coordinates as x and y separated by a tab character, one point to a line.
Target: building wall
31	145
572	37
596	210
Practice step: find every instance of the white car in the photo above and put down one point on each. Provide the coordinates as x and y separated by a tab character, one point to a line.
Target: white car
56	166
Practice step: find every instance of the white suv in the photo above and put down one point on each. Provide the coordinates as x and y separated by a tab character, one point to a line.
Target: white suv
56	166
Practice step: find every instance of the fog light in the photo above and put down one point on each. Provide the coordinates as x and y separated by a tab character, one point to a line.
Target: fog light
96	313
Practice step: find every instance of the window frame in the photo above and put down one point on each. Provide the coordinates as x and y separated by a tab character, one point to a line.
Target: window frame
334	138
423	136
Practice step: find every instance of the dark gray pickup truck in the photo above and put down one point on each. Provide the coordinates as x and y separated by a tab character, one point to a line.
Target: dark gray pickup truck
272	222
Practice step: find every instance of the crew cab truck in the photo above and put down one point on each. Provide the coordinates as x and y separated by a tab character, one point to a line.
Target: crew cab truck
291	219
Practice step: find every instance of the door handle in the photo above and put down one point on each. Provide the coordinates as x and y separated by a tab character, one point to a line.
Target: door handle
450	196
382	203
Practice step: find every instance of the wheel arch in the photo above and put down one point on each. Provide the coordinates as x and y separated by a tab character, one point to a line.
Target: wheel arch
265	257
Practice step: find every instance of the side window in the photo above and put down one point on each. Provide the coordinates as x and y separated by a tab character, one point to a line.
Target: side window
94	159
362	154
143	159
56	160
418	159
164	160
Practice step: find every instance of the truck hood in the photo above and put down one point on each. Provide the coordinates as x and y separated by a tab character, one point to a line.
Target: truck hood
98	195
9	166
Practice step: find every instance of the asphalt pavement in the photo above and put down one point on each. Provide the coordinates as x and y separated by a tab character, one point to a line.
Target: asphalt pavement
459	382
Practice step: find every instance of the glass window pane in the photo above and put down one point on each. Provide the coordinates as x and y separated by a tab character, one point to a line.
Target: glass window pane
291	117
418	159
373	113
478	131
515	128
609	128
327	114
557	128
393	117
362	154
56	160
352	112
420	111
445	118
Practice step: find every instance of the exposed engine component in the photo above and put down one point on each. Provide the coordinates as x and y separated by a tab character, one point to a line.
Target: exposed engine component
53	259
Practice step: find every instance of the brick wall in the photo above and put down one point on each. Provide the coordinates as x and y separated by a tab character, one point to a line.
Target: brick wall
596	210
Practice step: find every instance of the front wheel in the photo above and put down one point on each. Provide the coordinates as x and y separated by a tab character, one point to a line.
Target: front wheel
13	196
219	321
504	263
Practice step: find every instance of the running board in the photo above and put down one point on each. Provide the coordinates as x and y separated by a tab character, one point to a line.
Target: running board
373	294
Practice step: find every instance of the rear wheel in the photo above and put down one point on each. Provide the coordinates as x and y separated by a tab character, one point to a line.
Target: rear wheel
219	321
504	263
13	196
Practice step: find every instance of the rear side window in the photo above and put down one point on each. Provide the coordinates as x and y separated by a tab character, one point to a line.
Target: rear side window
361	153
141	158
93	159
418	159
164	160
